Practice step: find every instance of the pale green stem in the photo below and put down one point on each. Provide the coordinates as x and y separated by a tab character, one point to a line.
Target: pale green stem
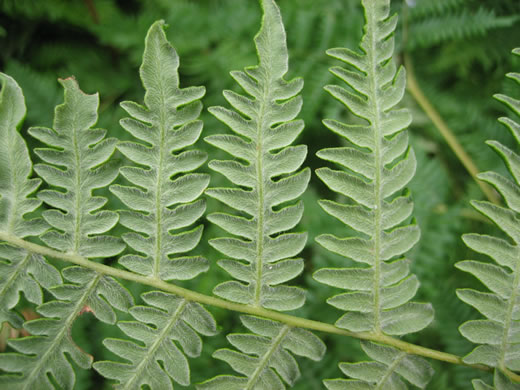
378	201
289	320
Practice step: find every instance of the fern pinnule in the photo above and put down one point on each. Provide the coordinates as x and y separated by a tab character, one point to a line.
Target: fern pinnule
263	257
77	229
20	271
498	333
163	200
376	166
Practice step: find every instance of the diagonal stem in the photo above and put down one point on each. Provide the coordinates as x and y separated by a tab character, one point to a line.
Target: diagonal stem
289	320
449	137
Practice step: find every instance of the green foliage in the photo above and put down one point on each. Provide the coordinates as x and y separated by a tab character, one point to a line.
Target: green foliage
266	127
498	334
435	22
379	163
460	52
20	271
80	226
167	318
385	372
168	124
270	344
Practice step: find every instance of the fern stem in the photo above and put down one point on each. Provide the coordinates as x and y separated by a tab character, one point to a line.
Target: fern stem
448	135
292	321
261	207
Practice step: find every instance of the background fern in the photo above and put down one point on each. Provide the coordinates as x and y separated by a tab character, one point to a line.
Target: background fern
53	39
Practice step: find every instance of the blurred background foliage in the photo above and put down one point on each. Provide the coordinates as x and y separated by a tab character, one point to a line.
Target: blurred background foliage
460	50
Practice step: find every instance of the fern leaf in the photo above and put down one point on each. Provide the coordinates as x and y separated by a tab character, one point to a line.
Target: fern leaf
46	351
77	161
264	256
265	126
426	9
265	357
79	229
498	333
164	194
170	319
377	166
20	271
167	124
453	26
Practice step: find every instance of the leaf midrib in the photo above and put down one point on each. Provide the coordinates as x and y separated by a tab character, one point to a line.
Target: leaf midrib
158	193
390	370
372	58
260	182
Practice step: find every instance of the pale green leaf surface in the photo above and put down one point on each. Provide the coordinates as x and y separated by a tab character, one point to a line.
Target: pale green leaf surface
262	259
167	319
20	271
77	160
48	350
264	357
265	126
382	164
163	196
374	170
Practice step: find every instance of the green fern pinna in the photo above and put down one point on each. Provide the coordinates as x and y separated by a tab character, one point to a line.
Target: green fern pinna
161	191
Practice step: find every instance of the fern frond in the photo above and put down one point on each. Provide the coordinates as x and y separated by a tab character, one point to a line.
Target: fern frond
499	333
426	8
77	229
376	167
265	359
167	318
46	352
166	201
263	257
163	193
20	271
430	31
77	160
